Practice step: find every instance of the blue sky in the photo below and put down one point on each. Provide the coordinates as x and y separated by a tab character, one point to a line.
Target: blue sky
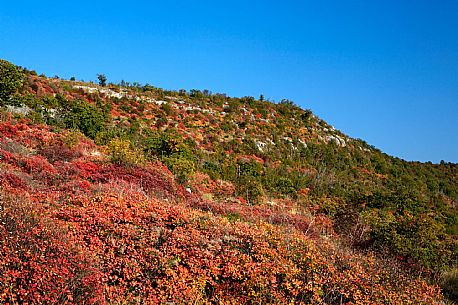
384	71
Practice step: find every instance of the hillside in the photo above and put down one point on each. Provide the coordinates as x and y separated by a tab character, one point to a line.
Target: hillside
131	194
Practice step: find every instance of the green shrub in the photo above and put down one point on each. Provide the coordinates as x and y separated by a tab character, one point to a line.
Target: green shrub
212	169
249	168
419	237
250	189
168	110
85	117
232	217
161	145
10	80
181	167
449	284
306	115
104	136
285	186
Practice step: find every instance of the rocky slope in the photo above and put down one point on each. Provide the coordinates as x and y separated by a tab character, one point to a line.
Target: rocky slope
134	194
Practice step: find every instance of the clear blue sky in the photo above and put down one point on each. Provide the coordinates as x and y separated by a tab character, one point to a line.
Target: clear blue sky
384	71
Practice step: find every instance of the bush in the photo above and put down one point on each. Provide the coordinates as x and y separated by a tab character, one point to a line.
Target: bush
285	186
72	138
168	110
122	152
305	117
85	117
180	166
39	264
10	80
105	136
59	153
212	169
449	284
250	189
161	145
421	238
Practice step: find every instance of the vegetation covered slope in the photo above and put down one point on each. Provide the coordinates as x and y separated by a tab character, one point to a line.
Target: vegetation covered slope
129	193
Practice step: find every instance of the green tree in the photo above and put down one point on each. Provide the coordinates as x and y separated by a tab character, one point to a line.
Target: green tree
102	79
88	118
10	79
287	102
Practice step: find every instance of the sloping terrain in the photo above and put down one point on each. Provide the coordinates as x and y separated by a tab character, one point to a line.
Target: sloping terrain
130	194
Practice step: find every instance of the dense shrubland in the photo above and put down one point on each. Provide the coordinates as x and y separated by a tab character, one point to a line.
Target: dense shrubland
152	195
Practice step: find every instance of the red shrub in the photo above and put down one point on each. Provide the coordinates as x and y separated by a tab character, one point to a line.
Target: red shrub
59	153
38	263
13	180
150	180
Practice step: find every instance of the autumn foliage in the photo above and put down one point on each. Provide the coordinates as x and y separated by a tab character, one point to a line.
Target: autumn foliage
77	229
137	195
